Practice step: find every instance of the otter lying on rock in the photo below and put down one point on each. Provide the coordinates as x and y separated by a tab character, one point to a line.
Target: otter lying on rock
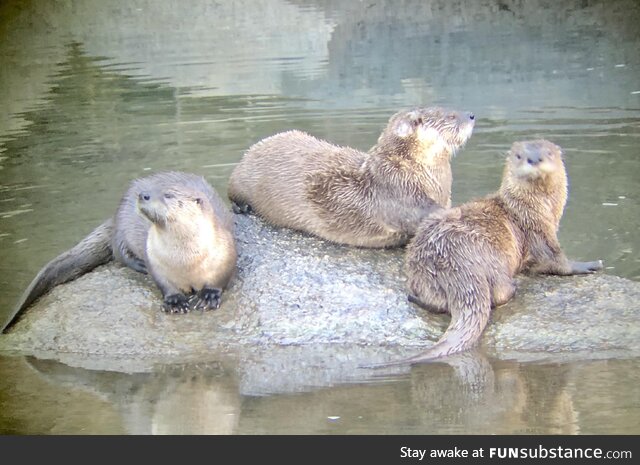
171	224
373	199
462	261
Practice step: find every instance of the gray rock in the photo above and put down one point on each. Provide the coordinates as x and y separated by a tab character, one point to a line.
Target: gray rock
327	301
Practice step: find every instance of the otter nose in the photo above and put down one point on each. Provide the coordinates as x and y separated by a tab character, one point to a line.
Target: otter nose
534	159
144	196
472	116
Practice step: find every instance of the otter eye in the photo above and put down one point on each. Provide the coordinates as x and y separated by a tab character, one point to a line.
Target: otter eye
451	117
518	156
416	122
198	201
168	195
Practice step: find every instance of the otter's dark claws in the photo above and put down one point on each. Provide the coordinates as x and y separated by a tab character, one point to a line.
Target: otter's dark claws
209	298
176	303
241	209
139	265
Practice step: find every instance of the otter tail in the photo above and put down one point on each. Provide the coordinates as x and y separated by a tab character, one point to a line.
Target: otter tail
90	252
470	303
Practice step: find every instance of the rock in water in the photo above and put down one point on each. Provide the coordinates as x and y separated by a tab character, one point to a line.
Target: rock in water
293	289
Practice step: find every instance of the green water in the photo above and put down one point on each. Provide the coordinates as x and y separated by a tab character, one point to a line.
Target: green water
95	93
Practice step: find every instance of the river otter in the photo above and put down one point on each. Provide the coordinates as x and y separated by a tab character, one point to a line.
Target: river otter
172	224
185	239
462	261
373	199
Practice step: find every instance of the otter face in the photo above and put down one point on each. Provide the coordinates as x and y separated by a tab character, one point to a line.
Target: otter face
529	160
152	208
171	206
434	126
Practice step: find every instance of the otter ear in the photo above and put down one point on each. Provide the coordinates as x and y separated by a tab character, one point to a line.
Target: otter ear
407	124
403	128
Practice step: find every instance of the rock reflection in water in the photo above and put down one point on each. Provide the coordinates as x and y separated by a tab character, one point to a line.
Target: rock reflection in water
467	394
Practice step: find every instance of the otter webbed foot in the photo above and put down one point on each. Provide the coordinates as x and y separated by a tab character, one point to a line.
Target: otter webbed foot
586	267
138	265
208	298
175	303
241	208
134	262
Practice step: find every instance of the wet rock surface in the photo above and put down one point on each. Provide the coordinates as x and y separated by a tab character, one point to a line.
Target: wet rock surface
297	300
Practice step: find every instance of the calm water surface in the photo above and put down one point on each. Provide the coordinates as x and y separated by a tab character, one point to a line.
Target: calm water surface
95	93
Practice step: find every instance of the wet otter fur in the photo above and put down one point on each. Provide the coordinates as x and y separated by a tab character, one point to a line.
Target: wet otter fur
170	224
372	199
462	261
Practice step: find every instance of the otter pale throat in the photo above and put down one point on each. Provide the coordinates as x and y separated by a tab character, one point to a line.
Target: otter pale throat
372	199
171	224
462	261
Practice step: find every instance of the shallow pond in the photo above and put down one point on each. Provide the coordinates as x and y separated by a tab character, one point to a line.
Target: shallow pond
95	93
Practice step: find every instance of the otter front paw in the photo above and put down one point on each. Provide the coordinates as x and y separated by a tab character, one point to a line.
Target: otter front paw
176	303
586	267
241	208
209	298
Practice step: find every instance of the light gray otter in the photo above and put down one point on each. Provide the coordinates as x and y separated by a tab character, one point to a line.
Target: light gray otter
372	199
462	261
171	224
176	226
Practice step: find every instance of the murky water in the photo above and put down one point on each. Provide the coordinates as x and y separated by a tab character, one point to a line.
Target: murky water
599	397
95	93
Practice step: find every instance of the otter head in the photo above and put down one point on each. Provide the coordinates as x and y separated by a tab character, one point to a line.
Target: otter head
173	206
535	171
431	131
534	160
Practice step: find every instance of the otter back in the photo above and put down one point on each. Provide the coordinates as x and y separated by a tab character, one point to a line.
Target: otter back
372	199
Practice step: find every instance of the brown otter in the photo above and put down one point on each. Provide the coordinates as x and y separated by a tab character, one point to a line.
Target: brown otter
172	224
373	199
462	261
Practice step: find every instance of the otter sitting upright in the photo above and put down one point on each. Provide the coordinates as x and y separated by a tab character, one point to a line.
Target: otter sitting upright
373	199
462	261
176	226
172	224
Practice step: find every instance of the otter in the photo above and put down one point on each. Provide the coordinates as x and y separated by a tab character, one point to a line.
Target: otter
172	225
372	199
462	261
176	226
